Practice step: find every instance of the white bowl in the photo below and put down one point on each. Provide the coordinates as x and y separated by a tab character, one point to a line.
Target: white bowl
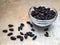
42	23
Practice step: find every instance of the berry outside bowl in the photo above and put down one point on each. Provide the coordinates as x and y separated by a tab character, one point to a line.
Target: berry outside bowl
42	23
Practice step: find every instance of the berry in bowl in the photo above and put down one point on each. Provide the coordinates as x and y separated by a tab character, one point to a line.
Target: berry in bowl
42	15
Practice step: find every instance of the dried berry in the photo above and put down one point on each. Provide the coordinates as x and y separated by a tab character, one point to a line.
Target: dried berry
10	25
5	31
29	23
22	24
9	34
11	29
18	36
12	38
32	29
21	39
34	37
21	33
19	28
25	36
46	34
30	34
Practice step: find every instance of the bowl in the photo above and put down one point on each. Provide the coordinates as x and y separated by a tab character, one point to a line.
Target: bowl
42	23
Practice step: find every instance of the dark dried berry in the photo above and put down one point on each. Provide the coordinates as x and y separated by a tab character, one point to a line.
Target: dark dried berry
46	34
10	25
5	31
21	33
9	34
28	33
33	13
48	9
46	29
28	22
31	25
31	35
32	29
25	36
11	29
21	39
52	12
22	24
39	8
34	37
18	36
12	38
20	28
35	8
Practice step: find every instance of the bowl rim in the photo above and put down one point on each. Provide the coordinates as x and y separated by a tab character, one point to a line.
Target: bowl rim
29	13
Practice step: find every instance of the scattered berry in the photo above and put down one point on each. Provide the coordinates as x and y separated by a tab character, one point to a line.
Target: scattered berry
12	38
5	31
9	34
22	24
30	34
46	34
10	25
11	29
18	36
34	37
25	36
29	23
21	39
32	30
19	28
21	33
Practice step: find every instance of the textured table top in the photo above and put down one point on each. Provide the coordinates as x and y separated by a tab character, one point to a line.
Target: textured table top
16	11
